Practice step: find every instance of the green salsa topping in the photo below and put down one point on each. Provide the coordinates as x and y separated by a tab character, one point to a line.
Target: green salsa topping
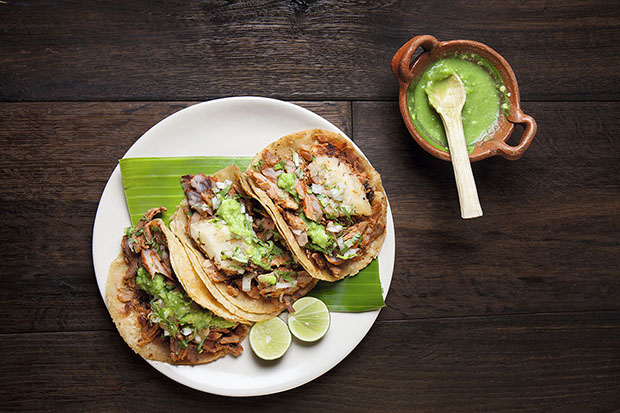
230	211
173	307
279	166
317	234
268	278
287	182
486	97
258	252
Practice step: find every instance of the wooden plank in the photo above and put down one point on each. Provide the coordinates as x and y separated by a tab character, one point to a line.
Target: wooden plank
40	138
550	234
141	50
536	362
54	163
548	241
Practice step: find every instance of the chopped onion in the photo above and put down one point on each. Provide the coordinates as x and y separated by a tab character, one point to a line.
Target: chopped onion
296	231
352	251
220	185
197	339
317	188
337	193
335	228
186	331
242	208
296	158
246	283
281	285
340	243
166	333
216	201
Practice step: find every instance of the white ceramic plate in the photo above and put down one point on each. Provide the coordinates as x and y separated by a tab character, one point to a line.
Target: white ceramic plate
225	127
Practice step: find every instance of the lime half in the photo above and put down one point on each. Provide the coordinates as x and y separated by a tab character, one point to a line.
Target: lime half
270	339
310	321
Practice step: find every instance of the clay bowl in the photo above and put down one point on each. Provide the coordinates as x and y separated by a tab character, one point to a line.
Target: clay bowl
407	70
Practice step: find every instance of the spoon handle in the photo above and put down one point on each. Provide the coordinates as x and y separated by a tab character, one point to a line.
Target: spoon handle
465	183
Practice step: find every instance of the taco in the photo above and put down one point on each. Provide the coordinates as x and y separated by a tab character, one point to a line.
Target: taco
326	199
154	313
235	247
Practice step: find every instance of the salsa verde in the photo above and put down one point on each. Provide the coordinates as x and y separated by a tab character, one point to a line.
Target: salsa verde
485	99
240	225
175	306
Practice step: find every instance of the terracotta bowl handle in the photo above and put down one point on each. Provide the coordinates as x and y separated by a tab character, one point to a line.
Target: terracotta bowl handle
514	152
401	63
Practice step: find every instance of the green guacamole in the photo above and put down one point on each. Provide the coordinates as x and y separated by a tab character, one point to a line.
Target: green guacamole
241	226
287	182
230	212
485	100
177	308
317	234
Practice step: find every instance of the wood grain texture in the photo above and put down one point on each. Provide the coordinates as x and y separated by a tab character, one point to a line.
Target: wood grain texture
323	50
554	250
517	310
534	362
55	161
550	234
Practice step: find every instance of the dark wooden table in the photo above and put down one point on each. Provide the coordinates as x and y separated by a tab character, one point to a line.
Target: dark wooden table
519	309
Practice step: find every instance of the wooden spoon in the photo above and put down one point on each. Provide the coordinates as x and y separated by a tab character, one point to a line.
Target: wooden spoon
447	96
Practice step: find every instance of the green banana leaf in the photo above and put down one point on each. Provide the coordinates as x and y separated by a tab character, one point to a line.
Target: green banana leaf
154	182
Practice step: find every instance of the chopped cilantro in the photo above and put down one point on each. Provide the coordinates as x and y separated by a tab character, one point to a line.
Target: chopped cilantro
285	275
347	213
202	340
313	247
274	249
279	166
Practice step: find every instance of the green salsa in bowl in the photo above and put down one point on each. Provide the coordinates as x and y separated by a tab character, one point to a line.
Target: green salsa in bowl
492	105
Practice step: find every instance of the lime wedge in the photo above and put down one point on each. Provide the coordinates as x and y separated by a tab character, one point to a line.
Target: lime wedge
310	321
270	339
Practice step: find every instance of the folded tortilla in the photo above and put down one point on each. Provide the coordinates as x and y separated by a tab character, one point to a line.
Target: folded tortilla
206	243
327	200
129	307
